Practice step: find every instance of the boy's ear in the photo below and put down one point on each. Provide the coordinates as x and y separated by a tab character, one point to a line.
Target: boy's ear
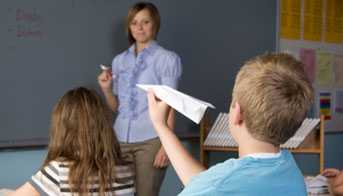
236	114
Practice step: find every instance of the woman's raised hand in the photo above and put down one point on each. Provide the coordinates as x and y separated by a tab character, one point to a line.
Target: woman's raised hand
105	80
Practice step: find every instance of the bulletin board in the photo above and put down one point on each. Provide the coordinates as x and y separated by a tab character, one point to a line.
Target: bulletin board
312	31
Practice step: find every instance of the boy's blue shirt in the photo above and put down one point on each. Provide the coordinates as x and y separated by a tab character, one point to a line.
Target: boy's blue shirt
249	176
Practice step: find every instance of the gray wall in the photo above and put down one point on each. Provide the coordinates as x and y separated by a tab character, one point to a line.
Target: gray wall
65	41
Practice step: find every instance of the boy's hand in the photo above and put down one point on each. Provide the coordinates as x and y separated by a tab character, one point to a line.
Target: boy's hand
158	111
330	172
335	179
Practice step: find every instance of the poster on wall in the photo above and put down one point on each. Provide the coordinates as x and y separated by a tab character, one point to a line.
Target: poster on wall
324	71
325	105
308	58
312	31
339	103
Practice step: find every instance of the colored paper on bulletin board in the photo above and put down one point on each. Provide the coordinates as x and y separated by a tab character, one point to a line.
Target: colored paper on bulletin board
338	67
334	21
313	17
325	104
339	102
324	69
292	52
290	19
308	58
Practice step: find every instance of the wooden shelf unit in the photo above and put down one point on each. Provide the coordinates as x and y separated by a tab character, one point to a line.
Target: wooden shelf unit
312	144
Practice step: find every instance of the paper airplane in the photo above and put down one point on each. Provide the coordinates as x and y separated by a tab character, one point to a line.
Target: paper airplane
191	107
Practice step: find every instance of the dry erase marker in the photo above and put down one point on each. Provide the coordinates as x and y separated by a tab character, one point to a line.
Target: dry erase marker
104	67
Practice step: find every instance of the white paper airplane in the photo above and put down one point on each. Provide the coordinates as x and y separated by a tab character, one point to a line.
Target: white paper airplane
189	106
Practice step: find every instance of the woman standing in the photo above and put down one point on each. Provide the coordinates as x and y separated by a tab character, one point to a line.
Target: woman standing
144	62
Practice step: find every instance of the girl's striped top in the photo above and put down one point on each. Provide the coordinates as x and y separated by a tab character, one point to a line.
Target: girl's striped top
53	180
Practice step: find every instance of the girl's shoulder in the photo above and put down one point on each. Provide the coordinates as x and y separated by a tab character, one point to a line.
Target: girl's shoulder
59	164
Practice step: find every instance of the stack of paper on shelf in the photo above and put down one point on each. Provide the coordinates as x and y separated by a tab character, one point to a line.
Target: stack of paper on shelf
220	136
317	185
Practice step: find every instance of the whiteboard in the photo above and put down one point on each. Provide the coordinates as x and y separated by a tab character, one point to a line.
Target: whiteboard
48	47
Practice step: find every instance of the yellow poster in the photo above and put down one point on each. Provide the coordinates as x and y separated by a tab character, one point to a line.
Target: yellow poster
290	19
313	20
334	21
338	69
324	71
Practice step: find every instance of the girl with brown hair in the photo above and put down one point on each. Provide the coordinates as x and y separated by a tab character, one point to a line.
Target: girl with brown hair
84	156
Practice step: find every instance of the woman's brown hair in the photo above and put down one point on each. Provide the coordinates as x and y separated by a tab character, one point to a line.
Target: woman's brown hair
81	133
137	7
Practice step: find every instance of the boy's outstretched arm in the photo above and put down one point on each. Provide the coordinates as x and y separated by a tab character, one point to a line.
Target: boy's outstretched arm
184	164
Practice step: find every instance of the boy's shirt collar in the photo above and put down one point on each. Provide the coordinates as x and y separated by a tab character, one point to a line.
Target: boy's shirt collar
263	155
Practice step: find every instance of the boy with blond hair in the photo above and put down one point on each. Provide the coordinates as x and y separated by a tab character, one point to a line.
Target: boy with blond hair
270	99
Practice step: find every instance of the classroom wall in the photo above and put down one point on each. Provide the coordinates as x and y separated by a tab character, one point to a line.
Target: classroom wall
18	165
